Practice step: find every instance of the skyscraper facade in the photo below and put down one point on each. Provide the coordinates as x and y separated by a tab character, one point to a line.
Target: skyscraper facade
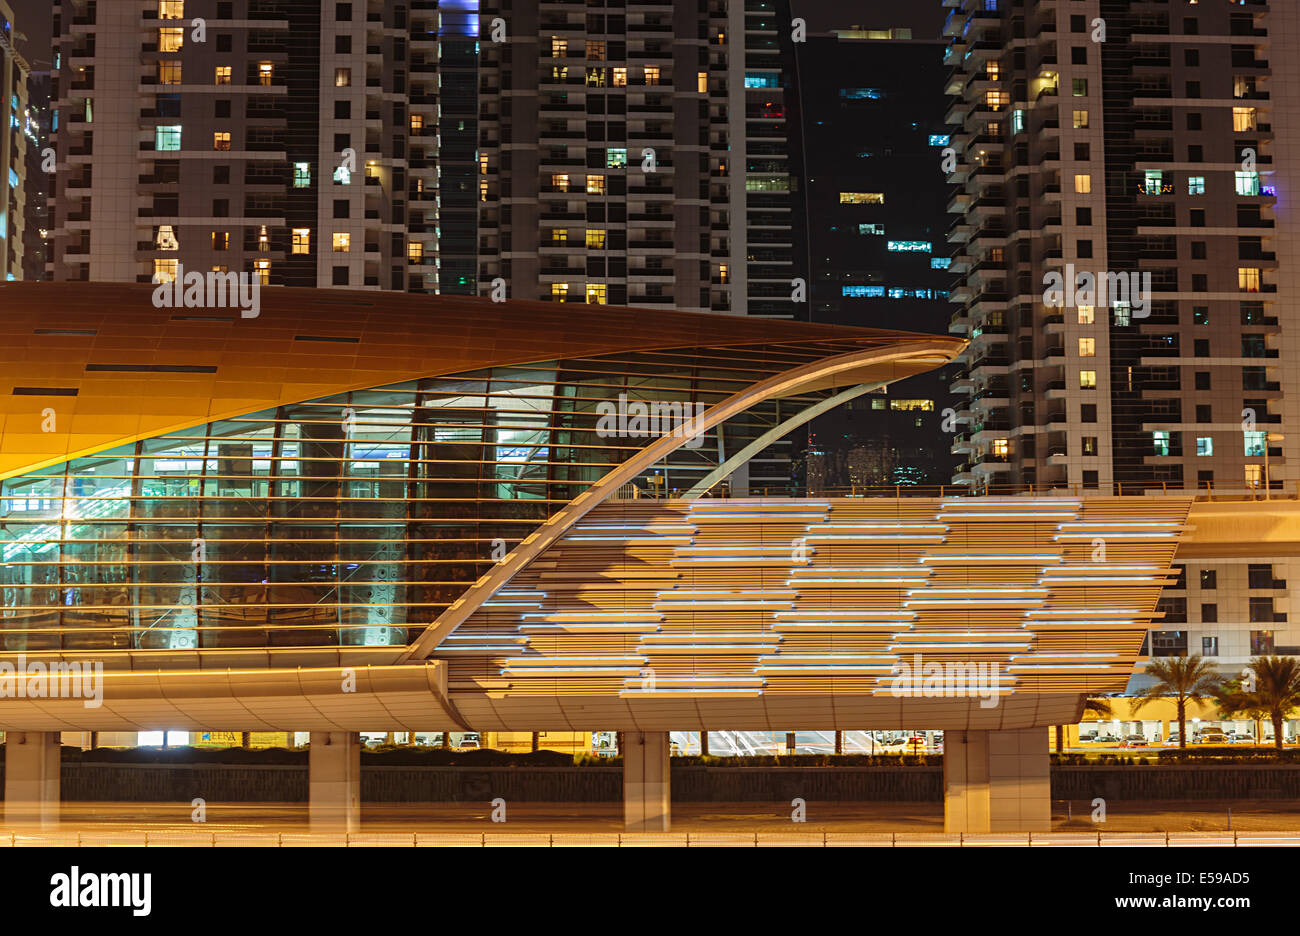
13	149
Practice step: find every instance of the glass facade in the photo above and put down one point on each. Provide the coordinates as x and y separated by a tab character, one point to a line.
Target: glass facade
351	520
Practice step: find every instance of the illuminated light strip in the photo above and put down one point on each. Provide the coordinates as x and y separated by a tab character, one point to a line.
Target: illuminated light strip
734	638
1013	502
560	616
521	594
852	581
600	660
673	593
1066	666
979	591
1018	635
1071	622
824	670
866	537
973	602
611	671
828	657
592	628
1088	536
1000	557
1004	645
778	550
719	605
1070	612
701	692
632	540
511	604
1098	578
759	516
879	526
1060	656
692	649
913	570
786	561
682	527
834	625
1001	515
1121	523
515	638
837	614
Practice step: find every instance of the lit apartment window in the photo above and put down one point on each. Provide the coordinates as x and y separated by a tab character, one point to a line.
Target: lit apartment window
1196	185
170	38
1000	448
1247	183
1248	279
166	239
167	138
164	271
1254	473
615	157
559	292
560	182
342	77
342	242
417	123
265	72
559	47
702	82
1017	121
1089	445
1087	380
1081	120
596	293
169	72
415	252
862	198
595	185
220	240
652	74
1204	445
596	50
595	238
1087	347
262	270
302	175
221	140
560	73
595	78
996	100
559	235
221	268
263	239
1083	183
171	9
724	273
223	74
1086	314
482	164
1243	119
342	176
993	71
1079	87
1254	442
301	240
483	190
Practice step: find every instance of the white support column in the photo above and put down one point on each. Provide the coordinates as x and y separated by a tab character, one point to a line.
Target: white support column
997	781
32	779
334	781
646	806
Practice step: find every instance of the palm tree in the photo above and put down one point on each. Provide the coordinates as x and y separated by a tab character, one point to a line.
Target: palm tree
1276	692
1187	679
1093	705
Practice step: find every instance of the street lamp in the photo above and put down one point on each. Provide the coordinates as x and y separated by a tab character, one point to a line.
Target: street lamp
1269	437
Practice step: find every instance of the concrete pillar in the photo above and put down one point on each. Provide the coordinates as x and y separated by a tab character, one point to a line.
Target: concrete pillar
334	780
997	781
645	781
32	778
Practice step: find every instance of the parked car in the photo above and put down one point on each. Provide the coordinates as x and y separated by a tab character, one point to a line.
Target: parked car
1134	740
468	742
1211	737
1106	739
1173	738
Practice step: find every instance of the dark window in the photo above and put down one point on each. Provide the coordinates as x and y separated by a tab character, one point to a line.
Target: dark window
342	45
1084	248
1191	57
341	208
1202	380
343	12
1090	479
1198	217
1079	55
1209	578
340	276
1209	614
342	141
222	108
224	42
1261	610
1259	575
1088	412
225	11
221	208
1083	216
1198	250
220	175
342	110
1203	411
1081	151
1193	120
1201	347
